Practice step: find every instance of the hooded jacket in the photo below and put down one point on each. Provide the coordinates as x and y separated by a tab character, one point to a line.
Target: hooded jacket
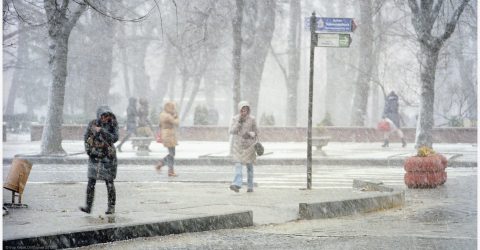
100	148
243	150
391	109
168	124
132	114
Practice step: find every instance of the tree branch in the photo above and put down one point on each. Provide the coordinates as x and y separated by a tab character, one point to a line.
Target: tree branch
76	15
450	27
282	68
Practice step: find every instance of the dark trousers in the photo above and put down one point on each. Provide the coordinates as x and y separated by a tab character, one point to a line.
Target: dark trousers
91	192
170	158
129	133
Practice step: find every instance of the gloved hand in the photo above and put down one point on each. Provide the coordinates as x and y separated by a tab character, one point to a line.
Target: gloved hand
249	135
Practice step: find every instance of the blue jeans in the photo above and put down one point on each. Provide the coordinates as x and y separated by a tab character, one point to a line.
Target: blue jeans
237	181
170	158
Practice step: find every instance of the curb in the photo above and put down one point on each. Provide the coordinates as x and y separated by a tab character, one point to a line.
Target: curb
130	231
332	209
226	161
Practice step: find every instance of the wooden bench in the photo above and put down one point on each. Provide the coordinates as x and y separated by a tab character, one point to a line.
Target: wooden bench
142	144
319	142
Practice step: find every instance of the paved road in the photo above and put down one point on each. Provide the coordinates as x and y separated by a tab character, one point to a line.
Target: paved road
441	218
265	176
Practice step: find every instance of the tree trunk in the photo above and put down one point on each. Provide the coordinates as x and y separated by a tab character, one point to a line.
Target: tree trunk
429	59
332	74
125	68
261	23
360	101
375	114
100	74
468	84
167	76
20	72
59	28
52	136
423	18
197	80
141	80
293	62
237	53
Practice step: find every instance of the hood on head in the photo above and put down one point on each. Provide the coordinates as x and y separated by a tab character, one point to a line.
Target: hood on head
132	101
242	104
143	101
169	107
104	109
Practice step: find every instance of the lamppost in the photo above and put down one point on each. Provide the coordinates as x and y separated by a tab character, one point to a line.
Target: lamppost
313	42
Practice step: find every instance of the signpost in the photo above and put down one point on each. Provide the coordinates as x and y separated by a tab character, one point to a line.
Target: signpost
333	40
332	35
332	24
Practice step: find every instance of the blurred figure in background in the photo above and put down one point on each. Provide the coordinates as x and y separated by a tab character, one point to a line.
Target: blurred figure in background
131	121
392	116
168	129
144	126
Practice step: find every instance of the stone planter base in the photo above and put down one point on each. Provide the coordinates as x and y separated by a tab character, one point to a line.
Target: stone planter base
425	179
425	172
433	163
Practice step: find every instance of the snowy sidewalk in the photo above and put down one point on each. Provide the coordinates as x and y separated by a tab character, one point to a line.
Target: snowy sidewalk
146	209
158	208
276	153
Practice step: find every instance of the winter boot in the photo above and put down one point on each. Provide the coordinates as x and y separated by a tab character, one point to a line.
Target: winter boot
404	143
385	144
111	209
159	166
111	198
90	195
172	173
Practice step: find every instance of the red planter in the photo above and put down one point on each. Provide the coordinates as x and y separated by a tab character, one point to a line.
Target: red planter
425	172
431	163
425	179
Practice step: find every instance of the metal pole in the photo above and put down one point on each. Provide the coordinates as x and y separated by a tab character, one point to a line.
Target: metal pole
313	42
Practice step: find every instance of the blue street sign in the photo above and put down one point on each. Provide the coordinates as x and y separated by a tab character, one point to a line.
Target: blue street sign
332	24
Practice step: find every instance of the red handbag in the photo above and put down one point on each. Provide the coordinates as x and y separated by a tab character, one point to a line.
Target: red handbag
383	126
158	136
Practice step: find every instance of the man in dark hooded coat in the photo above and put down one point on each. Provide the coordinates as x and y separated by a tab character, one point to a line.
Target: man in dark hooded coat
131	121
392	116
99	139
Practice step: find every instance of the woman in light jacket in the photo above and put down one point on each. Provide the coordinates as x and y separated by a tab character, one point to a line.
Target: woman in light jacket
168	126
244	131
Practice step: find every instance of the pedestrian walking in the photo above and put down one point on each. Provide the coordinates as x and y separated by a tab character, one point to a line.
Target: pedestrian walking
131	121
144	125
245	132
99	139
392	116
168	128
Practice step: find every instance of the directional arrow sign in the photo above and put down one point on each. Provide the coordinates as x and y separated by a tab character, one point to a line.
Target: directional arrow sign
332	24
333	40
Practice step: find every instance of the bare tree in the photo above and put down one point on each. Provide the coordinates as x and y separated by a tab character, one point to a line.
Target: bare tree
237	21
61	20
360	101
259	24
425	14
294	32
